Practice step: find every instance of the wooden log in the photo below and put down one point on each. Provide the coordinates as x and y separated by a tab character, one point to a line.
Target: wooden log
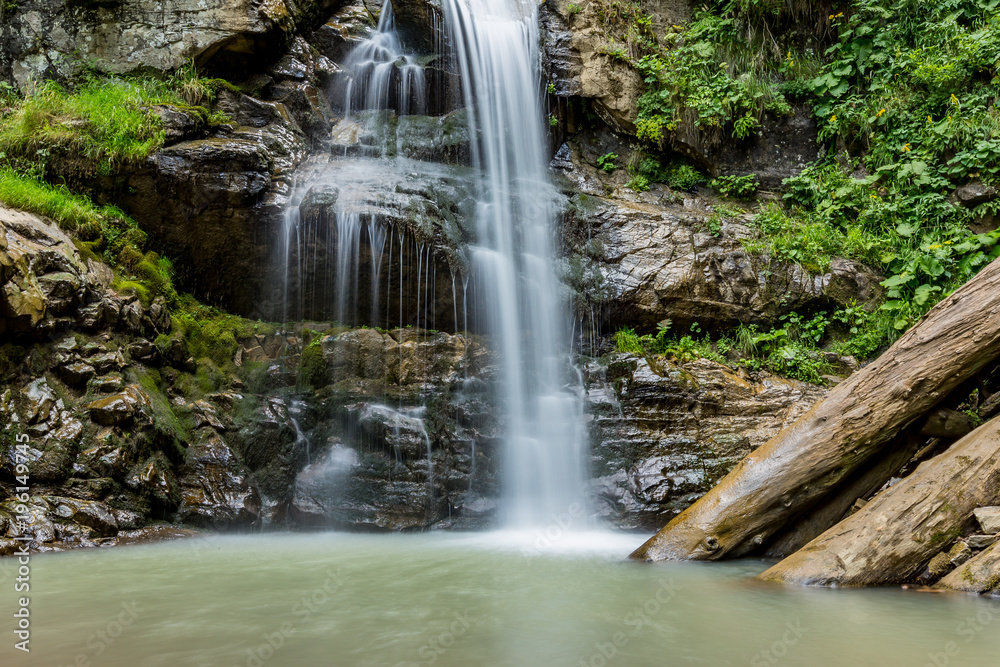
893	537
980	575
862	484
797	468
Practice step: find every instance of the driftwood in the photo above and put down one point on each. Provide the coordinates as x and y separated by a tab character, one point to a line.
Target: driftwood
796	469
894	536
979	575
862	485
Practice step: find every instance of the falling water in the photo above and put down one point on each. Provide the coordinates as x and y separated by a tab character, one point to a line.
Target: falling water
496	46
382	75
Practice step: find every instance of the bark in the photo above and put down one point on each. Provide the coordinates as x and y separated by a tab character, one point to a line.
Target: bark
796	469
893	537
979	575
863	484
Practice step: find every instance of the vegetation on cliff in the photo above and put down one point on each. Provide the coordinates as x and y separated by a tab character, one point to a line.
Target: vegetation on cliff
904	96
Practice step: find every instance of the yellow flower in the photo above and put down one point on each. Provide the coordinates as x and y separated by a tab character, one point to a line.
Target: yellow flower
880	113
906	148
836	16
929	120
954	100
933	247
948	242
833	118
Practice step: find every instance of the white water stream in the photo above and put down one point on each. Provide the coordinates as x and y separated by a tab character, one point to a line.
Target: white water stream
496	45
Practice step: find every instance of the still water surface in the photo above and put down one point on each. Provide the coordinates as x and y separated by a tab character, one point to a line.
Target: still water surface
493	599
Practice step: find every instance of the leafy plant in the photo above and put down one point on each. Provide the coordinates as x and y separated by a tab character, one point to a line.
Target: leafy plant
607	162
737	187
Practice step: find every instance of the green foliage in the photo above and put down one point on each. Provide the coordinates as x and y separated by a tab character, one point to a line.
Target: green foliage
627	341
213	335
103	232
98	126
723	70
793	236
572	9
607	162
737	187
911	87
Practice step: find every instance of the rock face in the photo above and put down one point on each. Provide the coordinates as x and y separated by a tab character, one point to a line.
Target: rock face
640	258
578	63
415	442
664	433
42	276
44	38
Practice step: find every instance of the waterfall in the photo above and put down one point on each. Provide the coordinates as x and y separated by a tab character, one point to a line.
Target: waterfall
339	249
495	43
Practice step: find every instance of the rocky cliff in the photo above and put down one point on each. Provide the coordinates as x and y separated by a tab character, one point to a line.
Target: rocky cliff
135	422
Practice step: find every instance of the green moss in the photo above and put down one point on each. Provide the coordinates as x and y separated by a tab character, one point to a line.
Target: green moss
313	369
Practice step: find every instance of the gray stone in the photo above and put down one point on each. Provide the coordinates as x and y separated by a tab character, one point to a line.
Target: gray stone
981	541
988	518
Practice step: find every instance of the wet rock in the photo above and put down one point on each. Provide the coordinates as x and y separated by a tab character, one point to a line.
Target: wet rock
443	139
40	401
644	262
41	272
214	490
973	194
143	350
664	433
988	518
76	373
308	107
348	25
939	566
107	384
224	192
118	408
177	123
981	541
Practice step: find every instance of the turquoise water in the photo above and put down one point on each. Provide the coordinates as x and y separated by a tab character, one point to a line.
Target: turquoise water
473	599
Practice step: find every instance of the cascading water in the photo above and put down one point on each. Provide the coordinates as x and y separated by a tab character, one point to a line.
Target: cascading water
496	46
507	272
383	76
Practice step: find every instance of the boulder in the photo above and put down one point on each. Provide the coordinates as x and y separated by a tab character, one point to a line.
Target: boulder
988	518
215	491
41	272
118	408
642	259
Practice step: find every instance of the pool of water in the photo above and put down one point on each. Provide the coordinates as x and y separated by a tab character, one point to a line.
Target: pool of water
492	599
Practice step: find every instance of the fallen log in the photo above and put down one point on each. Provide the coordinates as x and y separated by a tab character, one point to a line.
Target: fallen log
862	485
797	468
980	575
895	535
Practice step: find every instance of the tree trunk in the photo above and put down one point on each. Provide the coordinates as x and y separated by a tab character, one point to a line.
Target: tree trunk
861	485
797	468
979	575
893	537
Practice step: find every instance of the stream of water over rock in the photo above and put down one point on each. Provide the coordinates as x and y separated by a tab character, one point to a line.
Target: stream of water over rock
353	237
